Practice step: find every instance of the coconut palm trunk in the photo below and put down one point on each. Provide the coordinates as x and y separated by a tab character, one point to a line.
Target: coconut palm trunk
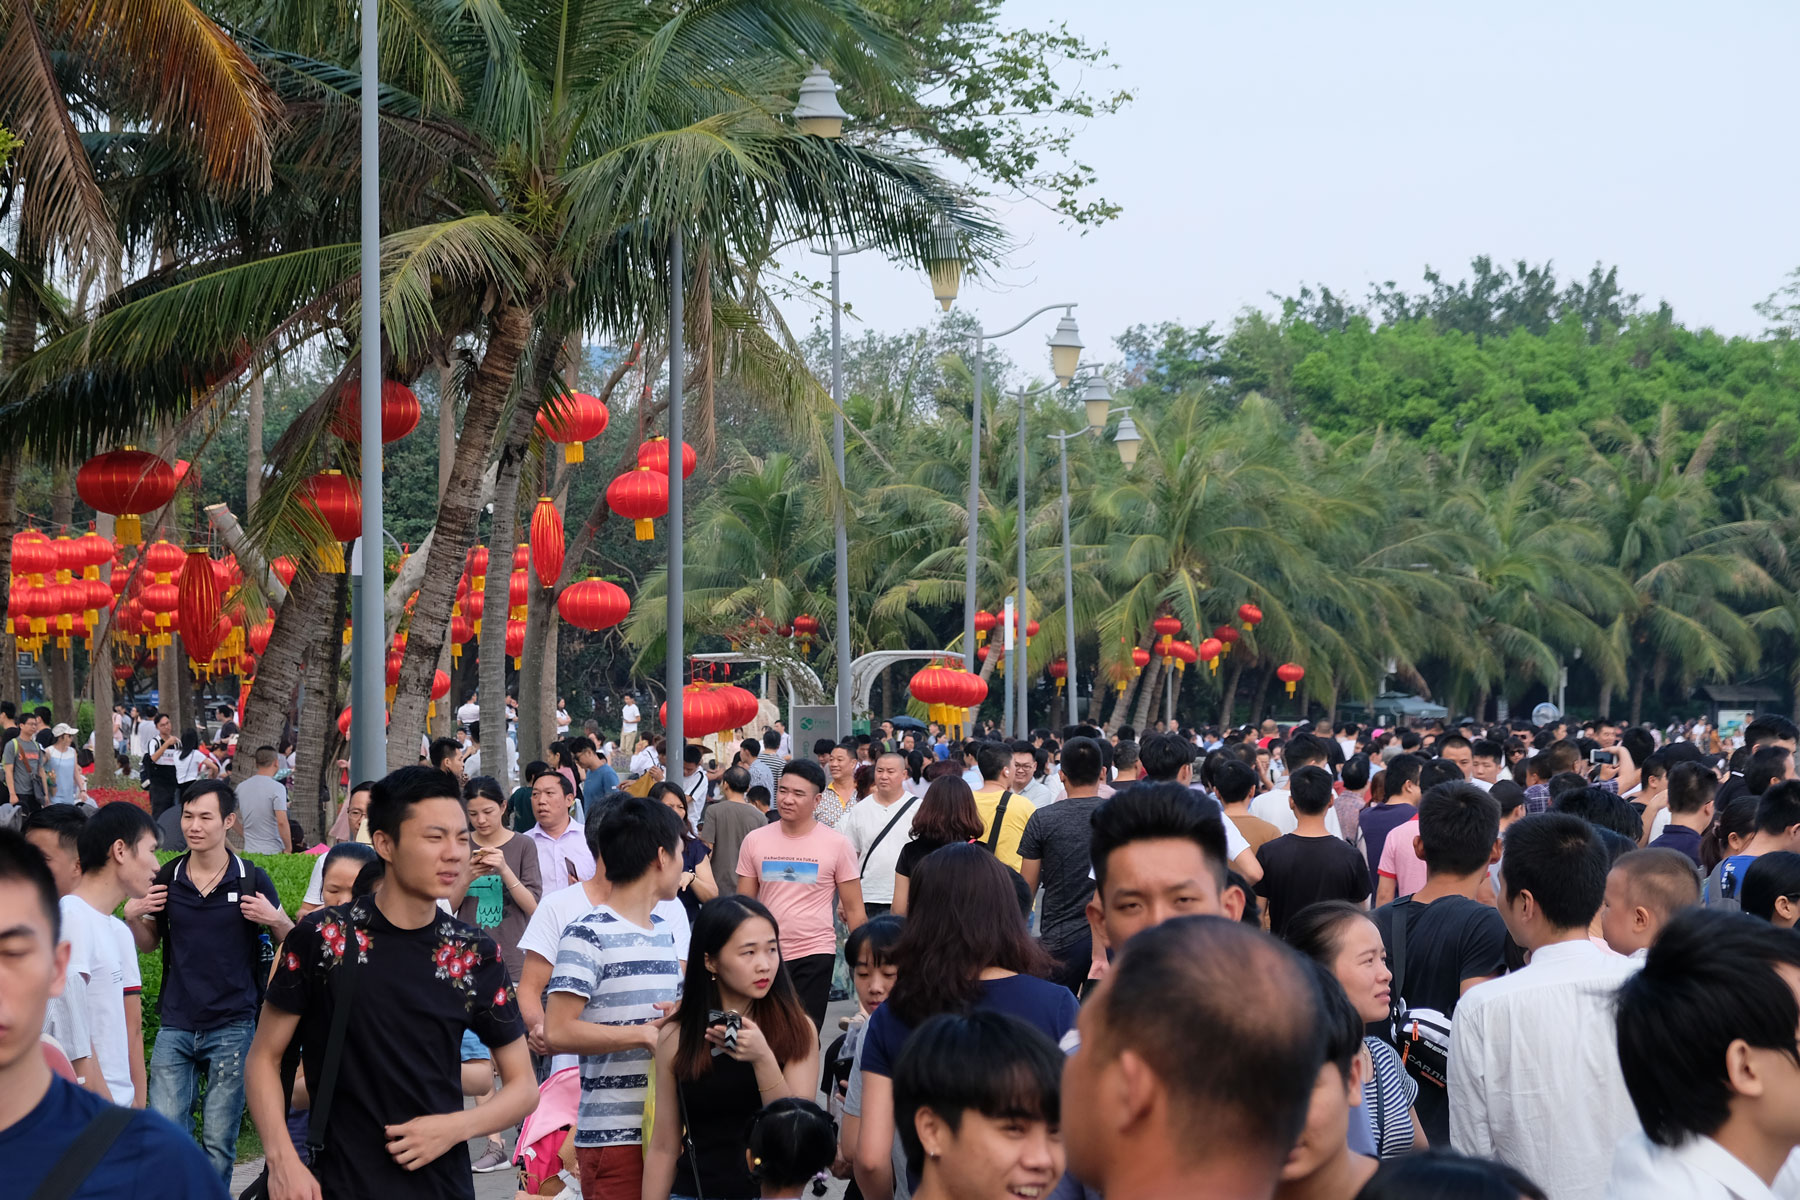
491	667
100	679
316	731
1228	695
1149	693
458	514
310	604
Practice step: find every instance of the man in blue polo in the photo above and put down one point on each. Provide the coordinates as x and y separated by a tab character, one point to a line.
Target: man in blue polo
207	910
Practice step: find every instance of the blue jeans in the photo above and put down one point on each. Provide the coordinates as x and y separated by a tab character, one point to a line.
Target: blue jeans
176	1063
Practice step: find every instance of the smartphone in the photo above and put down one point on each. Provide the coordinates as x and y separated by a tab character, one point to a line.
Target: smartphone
1606	757
732	1022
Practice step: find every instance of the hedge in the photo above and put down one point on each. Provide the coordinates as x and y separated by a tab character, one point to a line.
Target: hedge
291	873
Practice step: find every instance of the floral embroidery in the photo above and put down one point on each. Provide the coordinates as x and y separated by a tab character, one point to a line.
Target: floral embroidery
334	939
500	998
456	959
292	961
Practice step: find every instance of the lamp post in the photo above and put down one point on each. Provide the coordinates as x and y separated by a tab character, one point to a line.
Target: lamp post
840	516
1021	713
673	663
1096	392
1064	355
368	636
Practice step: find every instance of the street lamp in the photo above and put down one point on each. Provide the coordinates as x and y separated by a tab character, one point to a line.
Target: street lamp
368	633
945	266
1095	384
1127	440
1064	329
1021	724
818	112
1065	349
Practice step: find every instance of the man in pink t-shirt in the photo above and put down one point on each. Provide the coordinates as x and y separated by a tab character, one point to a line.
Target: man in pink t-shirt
1402	871
798	867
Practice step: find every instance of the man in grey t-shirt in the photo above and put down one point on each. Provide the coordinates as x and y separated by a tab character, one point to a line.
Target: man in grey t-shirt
1054	852
262	808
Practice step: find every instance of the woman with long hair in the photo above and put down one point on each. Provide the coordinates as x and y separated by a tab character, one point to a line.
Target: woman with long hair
947	816
698	884
1342	938
966	947
738	1041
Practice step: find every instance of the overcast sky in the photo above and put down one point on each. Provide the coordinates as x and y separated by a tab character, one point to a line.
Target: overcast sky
1273	143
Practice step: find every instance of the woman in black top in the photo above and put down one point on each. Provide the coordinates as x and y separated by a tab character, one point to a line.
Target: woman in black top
947	815
710	1084
697	882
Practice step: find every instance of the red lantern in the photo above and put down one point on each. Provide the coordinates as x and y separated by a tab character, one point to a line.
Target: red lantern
478	565
985	622
1249	614
1227	636
1031	629
703	711
1183	653
344	723
981	654
547	542
593	605
642	495
122	672
1166	628
521	556
126	483
515	641
246	667
440	687
259	634
653	455
1290	674
33	555
518	593
1140	658
284	570
400	411
572	419
1209	652
164	560
198	604
806	627
1059	672
333	500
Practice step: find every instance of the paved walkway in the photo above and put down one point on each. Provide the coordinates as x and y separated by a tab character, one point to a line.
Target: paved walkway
503	1185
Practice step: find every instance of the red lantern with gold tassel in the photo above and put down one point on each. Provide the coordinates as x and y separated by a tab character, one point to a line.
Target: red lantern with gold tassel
572	419
198	608
1250	615
332	499
641	495
653	455
400	412
806	628
126	482
1140	658
547	542
1059	672
1166	628
440	687
984	625
1290	674
515	642
1209	652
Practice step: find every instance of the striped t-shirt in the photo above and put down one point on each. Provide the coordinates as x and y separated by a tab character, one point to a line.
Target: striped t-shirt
623	971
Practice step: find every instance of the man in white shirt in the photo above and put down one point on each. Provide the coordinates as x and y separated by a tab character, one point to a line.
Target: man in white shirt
1274	806
1024	774
629	717
1460	751
470	713
879	826
1534	1064
117	848
1706	1045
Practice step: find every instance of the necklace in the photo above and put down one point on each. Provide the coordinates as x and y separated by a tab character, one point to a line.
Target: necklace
208	889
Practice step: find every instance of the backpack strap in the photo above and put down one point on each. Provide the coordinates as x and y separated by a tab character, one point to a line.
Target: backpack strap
1400	923
84	1153
344	989
993	837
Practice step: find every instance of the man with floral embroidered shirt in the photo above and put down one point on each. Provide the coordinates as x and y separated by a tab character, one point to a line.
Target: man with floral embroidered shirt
419	978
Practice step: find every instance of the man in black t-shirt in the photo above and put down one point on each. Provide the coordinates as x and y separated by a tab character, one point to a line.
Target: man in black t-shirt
1453	940
420	978
1309	864
1054	851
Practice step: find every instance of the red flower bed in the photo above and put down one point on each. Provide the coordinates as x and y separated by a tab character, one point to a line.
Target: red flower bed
104	796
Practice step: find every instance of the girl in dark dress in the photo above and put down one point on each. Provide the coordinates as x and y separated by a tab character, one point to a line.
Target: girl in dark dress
739	1041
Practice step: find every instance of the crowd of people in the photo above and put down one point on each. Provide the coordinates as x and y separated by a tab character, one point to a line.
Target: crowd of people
1314	963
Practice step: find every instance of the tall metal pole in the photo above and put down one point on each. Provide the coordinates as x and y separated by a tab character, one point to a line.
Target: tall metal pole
368	734
1062	449
1022	711
676	661
974	518
839	514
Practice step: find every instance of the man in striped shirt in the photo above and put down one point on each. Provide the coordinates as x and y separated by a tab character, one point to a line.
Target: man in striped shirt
616	978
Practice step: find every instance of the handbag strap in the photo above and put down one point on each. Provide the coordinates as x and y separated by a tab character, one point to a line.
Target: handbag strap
892	821
993	837
84	1153
344	988
687	1140
1400	923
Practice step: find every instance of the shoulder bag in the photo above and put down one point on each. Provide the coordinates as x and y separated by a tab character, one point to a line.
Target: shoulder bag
892	821
1422	1035
84	1153
993	837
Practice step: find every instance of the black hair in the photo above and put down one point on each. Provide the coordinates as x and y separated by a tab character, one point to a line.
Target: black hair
1768	766
535	768
568	789
822	747
1508	794
1597	806
1439	770
1342	1024
784	1023
1164	754
1564	782
1638	743
226	794
992	759
878	935
808	770
985	1062
1125	755
441	749
1310	790
1441	1174
1458	823
486	786
1778	809
1562	861
1709	980
1691	787
114	823
1082	762
758	794
1487	748
1316	930
21	860
751	746
64	820
1735	818
1232	779
1152	811
1455	741
393	798
633	829
1249	1081
360	852
736	779
792	1142
771	739
1127	734
693	752
1770	727
369	878
1770	877
1401	770
577	744
1304	749
1356	773
1662	880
